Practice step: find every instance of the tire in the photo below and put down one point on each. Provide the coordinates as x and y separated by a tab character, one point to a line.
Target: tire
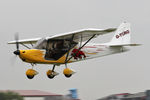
68	75
30	77
51	76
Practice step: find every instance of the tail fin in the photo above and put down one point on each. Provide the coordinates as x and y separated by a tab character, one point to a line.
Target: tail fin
122	35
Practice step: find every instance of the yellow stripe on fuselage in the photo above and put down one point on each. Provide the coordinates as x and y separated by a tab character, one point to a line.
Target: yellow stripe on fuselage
37	56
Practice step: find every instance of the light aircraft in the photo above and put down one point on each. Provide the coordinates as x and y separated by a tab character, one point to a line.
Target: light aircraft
71	47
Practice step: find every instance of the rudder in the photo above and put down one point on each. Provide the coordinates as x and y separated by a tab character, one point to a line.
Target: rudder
122	35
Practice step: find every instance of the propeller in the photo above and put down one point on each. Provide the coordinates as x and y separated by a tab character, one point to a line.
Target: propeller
17	52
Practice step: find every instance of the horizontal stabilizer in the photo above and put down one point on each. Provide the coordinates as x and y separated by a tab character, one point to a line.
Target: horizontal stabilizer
125	45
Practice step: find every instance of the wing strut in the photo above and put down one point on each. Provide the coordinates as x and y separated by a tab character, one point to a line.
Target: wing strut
25	46
81	41
31	44
81	47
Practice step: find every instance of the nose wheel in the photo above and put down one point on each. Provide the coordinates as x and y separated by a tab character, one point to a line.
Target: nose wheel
30	73
30	76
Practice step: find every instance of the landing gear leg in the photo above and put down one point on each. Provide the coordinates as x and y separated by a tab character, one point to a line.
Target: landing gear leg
53	68
51	73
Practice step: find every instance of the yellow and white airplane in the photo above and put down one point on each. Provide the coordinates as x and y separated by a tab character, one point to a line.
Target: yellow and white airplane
71	47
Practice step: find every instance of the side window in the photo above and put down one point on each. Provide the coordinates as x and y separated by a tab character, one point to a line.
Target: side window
57	48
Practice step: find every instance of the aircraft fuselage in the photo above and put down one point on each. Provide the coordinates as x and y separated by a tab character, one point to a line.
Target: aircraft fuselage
90	51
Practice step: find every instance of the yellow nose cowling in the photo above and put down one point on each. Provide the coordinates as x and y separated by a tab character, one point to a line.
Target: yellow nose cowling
31	56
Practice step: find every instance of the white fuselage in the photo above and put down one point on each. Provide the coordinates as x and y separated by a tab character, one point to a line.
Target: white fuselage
93	50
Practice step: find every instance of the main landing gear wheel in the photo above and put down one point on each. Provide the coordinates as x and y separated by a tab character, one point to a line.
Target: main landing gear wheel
68	75
51	74
68	72
30	73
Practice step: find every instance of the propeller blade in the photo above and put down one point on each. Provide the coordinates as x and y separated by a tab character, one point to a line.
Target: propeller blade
17	38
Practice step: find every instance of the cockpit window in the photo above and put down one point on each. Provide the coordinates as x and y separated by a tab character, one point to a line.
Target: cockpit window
55	48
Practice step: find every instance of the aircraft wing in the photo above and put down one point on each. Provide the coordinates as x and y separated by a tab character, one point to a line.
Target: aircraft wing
25	41
85	34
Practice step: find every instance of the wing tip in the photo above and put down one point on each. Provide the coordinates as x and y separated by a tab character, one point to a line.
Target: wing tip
11	42
111	29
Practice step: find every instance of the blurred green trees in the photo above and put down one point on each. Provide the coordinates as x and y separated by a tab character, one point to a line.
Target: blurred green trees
10	96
